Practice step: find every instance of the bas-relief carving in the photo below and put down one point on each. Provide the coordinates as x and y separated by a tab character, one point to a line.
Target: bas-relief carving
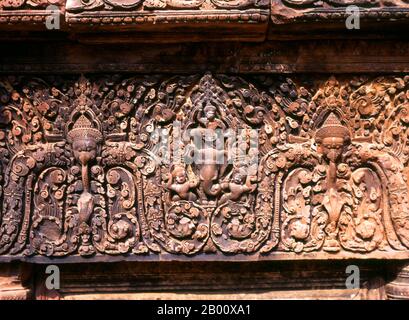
288	11
81	175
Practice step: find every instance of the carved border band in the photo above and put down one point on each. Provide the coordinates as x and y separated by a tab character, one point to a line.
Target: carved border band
84	171
89	15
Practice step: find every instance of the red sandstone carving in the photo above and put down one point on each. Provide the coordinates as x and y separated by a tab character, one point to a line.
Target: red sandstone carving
84	172
291	11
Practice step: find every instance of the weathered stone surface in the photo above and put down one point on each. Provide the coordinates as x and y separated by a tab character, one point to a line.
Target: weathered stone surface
197	20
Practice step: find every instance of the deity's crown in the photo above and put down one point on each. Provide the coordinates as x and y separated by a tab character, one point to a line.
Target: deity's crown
332	127
83	128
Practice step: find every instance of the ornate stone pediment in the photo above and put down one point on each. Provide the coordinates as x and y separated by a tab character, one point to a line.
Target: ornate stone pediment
111	166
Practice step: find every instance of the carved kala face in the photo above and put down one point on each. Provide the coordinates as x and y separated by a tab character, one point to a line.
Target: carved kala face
332	147
85	150
239	178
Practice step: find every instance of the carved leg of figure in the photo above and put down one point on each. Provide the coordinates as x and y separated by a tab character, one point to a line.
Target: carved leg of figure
14	281
398	287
